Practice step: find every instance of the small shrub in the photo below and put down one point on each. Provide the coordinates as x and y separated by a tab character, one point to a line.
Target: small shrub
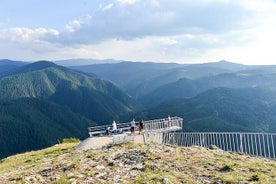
70	140
256	177
227	168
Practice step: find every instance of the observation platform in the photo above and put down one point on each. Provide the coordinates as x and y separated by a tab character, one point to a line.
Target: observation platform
157	125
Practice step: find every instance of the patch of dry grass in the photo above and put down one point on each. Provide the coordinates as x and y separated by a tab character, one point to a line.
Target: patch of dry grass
136	163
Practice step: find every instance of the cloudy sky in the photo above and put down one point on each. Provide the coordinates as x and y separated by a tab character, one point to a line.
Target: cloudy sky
182	31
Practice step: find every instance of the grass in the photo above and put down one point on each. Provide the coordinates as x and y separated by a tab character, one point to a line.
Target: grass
70	140
62	181
159	164
35	157
163	177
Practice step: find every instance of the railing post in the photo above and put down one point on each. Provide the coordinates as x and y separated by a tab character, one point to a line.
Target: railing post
241	143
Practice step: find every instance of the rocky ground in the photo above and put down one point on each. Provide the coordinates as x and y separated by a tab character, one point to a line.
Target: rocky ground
135	163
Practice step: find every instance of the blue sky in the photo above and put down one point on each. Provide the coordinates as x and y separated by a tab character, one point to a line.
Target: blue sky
180	31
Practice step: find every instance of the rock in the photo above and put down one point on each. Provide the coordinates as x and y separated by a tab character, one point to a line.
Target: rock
134	173
154	167
129	162
101	175
31	179
46	172
139	167
213	147
134	158
110	164
165	180
100	167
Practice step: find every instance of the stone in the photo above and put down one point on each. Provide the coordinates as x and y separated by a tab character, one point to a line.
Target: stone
213	147
100	167
165	180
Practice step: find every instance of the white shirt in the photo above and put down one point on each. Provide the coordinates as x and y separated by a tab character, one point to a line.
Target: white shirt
132	123
114	126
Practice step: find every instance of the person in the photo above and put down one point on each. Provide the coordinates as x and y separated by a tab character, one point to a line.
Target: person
169	121
141	126
132	126
107	130
114	127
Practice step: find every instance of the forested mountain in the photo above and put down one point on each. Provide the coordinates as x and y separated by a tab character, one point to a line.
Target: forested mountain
31	123
128	75
189	88
6	64
43	97
222	109
139	79
97	99
41	103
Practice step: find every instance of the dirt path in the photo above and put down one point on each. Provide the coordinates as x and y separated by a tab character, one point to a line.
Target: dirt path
99	142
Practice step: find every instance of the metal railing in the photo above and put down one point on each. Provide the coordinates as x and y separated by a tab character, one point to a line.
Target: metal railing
100	130
164	125
255	144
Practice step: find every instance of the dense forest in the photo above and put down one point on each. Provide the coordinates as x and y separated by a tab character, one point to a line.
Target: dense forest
42	102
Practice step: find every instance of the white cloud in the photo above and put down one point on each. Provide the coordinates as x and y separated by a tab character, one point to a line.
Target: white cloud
107	7
127	1
23	35
156	18
158	30
167	41
258	5
73	26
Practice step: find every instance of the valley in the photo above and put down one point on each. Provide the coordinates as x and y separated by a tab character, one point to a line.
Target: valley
42	102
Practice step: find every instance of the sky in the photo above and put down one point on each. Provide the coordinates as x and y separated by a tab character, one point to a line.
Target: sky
182	31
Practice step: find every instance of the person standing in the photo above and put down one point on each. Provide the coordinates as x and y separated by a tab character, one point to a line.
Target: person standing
141	126
114	127
169	121
132	126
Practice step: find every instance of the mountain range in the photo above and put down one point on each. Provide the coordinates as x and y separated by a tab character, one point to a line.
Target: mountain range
42	102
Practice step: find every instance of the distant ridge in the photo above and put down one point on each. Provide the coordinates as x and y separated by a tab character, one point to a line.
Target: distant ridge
6	64
11	62
29	68
81	62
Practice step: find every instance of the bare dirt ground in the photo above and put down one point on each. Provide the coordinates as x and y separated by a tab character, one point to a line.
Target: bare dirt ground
101	141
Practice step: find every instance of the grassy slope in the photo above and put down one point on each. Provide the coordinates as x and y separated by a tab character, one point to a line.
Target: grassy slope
135	163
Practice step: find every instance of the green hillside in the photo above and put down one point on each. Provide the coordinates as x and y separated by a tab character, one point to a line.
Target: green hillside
97	99
222	109
186	88
139	79
128	75
43	102
30	124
